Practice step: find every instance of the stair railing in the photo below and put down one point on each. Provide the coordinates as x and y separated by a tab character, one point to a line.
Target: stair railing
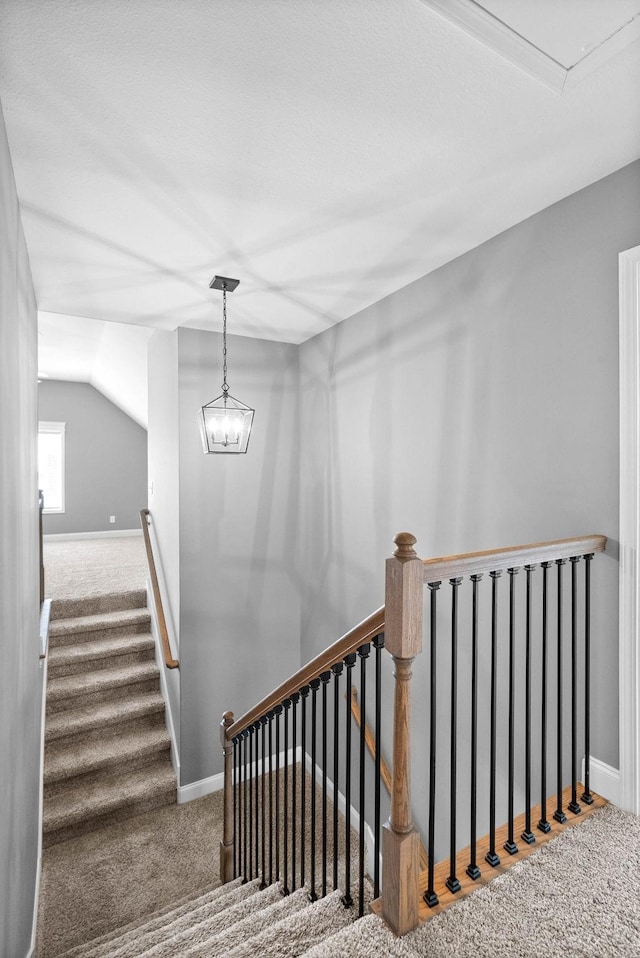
276	826
541	630
265	832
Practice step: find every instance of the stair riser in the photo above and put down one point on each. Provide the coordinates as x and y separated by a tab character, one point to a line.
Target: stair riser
107	662
83	734
66	832
92	777
55	704
96	605
56	640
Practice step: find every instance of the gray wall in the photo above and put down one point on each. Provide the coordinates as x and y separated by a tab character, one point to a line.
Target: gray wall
106	459
21	676
239	601
476	408
232	576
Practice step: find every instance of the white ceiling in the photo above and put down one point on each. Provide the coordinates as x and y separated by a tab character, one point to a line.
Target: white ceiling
567	30
325	152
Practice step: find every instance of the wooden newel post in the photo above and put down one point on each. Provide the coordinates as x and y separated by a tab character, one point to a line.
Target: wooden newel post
226	845
403	639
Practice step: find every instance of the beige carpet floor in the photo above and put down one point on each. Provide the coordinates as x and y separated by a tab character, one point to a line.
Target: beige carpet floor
77	568
125	872
577	897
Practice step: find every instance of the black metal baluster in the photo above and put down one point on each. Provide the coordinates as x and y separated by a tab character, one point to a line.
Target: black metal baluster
491	857
527	835
430	896
236	807
245	873
543	824
285	888
295	698
337	672
304	694
510	845
256	729
363	652
347	900
270	718
278	712
263	780
573	804
250	833
559	815
378	644
587	797
452	882
472	868
324	679
315	685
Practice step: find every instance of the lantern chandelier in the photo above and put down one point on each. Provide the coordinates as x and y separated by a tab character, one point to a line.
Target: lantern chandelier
225	423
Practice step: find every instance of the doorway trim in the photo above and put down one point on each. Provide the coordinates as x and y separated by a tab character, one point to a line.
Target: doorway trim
629	591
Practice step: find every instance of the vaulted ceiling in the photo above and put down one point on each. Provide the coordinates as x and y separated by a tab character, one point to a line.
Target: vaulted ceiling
324	152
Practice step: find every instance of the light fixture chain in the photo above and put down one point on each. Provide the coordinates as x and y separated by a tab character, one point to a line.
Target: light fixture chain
225	388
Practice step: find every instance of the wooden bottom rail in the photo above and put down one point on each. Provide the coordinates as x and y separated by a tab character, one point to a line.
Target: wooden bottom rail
487	873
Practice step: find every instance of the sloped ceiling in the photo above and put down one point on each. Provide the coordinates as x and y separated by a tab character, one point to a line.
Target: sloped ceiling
112	357
325	153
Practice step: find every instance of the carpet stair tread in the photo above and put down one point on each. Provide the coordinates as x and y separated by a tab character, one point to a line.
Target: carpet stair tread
242	921
220	943
296	933
88	718
98	604
130	937
89	654
65	761
372	931
197	926
80	624
86	801
70	686
103	945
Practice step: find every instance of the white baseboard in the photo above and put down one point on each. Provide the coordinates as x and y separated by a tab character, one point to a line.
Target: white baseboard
108	534
215	783
604	780
206	786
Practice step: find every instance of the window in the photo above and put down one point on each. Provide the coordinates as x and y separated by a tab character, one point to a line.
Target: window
51	464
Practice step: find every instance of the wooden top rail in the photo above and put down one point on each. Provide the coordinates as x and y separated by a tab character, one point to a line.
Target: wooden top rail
359	635
475	563
169	660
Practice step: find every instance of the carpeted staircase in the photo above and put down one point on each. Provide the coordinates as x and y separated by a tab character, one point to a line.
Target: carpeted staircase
234	920
106	745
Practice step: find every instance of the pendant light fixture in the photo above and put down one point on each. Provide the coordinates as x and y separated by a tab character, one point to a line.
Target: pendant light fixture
225	423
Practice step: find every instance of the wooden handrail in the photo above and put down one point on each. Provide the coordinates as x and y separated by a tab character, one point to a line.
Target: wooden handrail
359	635
169	660
474	563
